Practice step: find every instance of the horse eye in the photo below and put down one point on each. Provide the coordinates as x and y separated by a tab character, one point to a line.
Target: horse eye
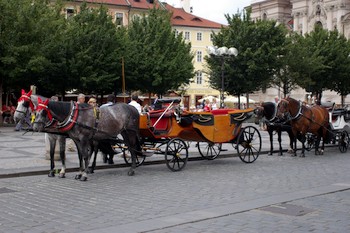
26	104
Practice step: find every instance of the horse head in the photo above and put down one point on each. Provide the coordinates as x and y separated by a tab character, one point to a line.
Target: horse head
23	106
283	109
259	113
42	116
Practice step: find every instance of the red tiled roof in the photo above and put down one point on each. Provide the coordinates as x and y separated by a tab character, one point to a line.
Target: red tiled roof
143	4
182	18
111	2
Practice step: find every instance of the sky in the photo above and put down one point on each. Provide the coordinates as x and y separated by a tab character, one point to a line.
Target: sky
214	10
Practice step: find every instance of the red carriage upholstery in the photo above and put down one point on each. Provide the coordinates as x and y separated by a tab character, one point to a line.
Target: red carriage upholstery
222	111
163	122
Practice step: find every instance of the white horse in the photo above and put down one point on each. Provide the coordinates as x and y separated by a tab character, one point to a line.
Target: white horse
26	104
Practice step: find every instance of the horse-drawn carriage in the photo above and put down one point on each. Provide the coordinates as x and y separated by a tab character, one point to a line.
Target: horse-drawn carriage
311	124
168	127
339	121
170	130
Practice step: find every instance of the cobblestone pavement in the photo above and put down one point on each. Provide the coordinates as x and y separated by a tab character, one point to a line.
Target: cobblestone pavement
273	194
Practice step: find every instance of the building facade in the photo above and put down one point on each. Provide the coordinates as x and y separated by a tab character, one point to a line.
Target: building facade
301	16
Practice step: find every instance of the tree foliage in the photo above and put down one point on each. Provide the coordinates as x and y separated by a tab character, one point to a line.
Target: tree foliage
157	60
258	43
319	61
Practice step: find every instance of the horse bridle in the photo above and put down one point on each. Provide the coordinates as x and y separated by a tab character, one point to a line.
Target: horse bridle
297	116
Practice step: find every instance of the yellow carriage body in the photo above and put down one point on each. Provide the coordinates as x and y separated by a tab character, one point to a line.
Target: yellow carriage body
218	126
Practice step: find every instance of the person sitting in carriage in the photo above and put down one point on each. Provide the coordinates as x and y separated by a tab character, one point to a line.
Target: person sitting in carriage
207	106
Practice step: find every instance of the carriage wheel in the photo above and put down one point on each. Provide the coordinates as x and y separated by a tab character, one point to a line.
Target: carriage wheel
343	141
310	141
209	150
127	158
176	154
249	144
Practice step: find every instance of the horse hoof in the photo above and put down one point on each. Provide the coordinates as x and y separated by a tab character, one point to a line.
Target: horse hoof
110	161
78	176
302	156
51	174
269	154
83	178
91	170
62	175
131	173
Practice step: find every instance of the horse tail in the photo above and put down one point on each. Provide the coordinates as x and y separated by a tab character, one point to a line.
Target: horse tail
327	136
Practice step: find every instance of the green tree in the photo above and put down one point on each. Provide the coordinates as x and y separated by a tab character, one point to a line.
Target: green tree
157	60
259	44
320	61
24	29
92	51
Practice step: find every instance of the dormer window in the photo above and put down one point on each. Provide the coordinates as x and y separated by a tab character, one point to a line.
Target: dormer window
178	17
69	12
196	19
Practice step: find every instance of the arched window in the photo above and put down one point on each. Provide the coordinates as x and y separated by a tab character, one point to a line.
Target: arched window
264	16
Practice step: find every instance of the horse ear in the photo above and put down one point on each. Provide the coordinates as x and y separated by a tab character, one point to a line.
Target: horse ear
39	100
23	92
30	93
46	101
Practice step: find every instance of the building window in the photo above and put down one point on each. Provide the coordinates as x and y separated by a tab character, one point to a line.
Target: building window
264	17
176	33
199	77
69	12
199	36
119	19
211	36
199	56
187	36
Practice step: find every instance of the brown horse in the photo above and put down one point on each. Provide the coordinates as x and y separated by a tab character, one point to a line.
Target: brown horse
305	119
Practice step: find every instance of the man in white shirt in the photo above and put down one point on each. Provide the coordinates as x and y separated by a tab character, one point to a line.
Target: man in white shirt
134	103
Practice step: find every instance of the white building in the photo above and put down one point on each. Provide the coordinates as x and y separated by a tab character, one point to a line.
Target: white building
302	16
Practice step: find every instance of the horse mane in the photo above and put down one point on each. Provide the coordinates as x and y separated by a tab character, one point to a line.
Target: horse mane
270	110
60	109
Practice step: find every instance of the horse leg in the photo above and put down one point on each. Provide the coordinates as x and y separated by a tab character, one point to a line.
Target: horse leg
130	138
302	140
93	165
279	133
62	143
87	152
270	131
80	173
52	142
292	138
317	143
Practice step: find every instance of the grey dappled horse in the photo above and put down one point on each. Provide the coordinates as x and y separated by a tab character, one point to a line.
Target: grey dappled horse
27	103
79	122
267	111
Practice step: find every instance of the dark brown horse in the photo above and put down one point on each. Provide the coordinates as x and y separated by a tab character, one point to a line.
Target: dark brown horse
267	112
305	119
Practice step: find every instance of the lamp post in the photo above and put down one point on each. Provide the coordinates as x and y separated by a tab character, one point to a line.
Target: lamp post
222	52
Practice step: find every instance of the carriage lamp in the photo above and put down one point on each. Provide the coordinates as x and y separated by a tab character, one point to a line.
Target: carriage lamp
222	53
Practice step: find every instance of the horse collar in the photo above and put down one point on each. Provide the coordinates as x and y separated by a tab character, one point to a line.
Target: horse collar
299	114
68	123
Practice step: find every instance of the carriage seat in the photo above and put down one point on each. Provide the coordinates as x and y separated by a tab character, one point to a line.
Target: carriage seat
223	111
163	122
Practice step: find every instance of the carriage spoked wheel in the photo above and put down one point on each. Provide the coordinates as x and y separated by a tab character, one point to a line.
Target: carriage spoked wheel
310	141
249	144
343	141
176	154
209	150
127	158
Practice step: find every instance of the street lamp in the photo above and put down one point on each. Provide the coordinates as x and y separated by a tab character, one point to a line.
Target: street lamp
222	52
